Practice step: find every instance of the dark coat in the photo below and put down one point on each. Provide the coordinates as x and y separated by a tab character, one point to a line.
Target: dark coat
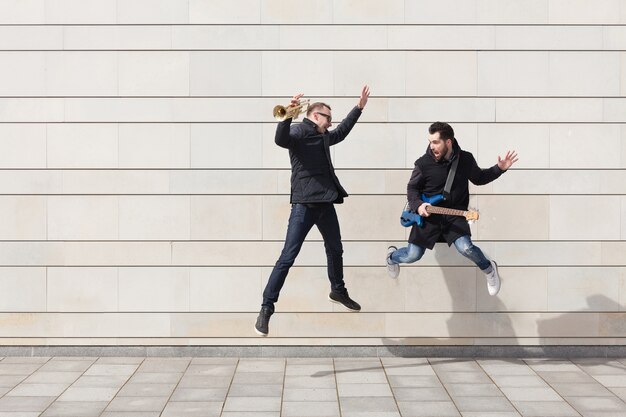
313	178
429	178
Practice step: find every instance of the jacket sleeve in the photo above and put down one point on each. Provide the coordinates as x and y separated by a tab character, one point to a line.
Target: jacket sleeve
285	136
414	188
480	176
346	125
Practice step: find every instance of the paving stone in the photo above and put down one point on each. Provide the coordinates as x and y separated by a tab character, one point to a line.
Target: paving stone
146	390
364	390
137	404
52	378
75	409
199	394
428	409
311	409
369	404
473	390
421	394
193	409
309	394
531	394
255	390
80	394
161	365
25	403
38	390
252	404
545	409
488	404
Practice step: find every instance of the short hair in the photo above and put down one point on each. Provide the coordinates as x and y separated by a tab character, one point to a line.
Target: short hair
445	130
317	105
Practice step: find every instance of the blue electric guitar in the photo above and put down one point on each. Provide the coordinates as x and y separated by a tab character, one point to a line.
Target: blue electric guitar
409	217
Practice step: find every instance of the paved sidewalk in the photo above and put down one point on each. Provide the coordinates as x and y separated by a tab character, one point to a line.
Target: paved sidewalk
301	387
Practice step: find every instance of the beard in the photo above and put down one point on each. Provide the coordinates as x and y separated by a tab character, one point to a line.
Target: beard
444	152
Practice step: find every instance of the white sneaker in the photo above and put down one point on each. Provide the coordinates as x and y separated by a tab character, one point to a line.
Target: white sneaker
493	279
392	269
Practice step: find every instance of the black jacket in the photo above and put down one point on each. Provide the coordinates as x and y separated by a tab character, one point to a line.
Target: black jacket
313	178
429	178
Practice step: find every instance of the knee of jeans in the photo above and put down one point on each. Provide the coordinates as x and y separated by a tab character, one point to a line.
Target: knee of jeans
414	255
467	249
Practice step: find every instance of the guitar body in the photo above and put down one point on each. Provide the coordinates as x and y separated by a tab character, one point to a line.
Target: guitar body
409	217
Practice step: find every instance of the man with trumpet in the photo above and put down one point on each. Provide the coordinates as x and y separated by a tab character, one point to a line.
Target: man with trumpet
314	190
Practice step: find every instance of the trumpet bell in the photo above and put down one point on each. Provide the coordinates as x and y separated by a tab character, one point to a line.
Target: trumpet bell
281	113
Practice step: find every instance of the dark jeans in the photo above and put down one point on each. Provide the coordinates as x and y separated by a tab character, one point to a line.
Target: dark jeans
301	220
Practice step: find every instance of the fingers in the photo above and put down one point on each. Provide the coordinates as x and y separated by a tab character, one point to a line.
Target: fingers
296	98
366	91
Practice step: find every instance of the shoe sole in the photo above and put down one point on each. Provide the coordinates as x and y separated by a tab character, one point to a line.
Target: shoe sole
499	280
394	276
259	333
341	304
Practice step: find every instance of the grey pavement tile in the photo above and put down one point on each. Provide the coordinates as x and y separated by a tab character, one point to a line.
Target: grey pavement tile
19	414
395	361
258	378
252	404
551	365
604	414
413	381
309	369
25	403
508	370
52	378
409	368
214	361
309	394
519	381
531	394
38	390
256	390
299	381
501	361
471	390
250	414
200	381
363	366
137	404
261	365
582	390
75	409
310	361
115	360
619	392
428	409
4	390
587	404
601	366
421	394
464	377
81	394
26	359
311	409
364	390
131	414
371	414
156	378
489	414
454	365
612	381
11	380
18	368
101	381
545	409
147	390
111	369
164	365
369	404
193	409
199	394
66	366
485	404
361	378
566	377
74	358
214	370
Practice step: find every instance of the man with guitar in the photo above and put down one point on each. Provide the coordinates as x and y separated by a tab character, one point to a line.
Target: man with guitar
446	167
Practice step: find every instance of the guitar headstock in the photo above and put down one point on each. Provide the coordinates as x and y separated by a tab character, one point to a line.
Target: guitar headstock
471	215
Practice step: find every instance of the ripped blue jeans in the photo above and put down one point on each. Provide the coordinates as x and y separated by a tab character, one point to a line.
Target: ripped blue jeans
464	245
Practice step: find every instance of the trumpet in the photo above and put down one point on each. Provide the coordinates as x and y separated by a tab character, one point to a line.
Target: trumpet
290	111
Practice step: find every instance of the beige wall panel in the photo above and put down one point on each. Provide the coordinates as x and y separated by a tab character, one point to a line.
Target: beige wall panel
383	70
151	11
226	37
23	110
224	182
23	145
31	37
115	182
567	141
153	73
23	11
273	155
368	11
441	73
22	73
105	253
612	324
83	73
224	11
443	37
439	289
83	218
623	74
226	217
82	146
225	73
23	289
530	141
432	109
371	217
154	145
512	11
154	289
227	288
583	289
316	78
306	290
549	253
275	12
513	73
154	217
550	110
444	11
523	289
142	37
516	37
514	217
362	181
349	37
372	146
80	11
614	37
553	182
23	217
214	325
613	253
614	109
581	11
344	324
585	217
31	182
623	216
584	73
217	145
82	289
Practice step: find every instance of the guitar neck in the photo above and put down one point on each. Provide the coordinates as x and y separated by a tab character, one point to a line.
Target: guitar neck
443	210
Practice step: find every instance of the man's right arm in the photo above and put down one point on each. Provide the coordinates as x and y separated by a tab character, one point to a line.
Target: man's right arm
414	188
283	136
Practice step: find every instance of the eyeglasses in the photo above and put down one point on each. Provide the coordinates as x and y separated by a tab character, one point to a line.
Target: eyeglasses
327	116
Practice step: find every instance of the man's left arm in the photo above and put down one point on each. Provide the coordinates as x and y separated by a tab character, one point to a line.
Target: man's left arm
485	176
346	125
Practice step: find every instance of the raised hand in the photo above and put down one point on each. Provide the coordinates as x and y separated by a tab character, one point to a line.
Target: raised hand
508	161
365	93
296	99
